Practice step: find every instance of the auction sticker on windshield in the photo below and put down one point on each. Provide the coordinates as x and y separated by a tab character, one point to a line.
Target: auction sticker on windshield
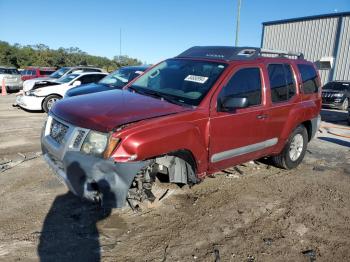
196	79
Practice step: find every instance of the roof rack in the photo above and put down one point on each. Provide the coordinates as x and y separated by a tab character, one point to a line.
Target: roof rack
229	53
281	53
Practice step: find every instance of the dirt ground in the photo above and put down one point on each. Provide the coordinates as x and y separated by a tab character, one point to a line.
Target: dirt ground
255	213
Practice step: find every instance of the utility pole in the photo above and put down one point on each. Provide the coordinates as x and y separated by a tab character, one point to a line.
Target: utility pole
120	44
238	20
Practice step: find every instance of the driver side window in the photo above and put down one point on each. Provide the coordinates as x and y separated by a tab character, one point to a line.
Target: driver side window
245	83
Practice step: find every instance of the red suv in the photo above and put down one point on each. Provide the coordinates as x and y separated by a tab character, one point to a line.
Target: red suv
203	111
36	72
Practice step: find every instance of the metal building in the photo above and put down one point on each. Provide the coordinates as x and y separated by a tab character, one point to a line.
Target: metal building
324	39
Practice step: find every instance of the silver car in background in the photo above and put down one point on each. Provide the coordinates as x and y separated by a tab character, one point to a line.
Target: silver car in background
11	77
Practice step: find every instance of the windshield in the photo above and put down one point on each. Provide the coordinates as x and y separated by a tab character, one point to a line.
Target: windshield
59	73
67	78
118	78
337	86
182	81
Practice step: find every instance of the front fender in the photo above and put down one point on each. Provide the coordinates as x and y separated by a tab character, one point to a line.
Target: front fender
157	141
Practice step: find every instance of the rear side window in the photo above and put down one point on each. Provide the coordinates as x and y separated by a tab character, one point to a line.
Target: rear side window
281	82
45	72
309	78
86	79
12	71
244	83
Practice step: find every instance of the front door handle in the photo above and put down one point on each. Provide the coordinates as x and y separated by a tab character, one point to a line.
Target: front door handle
262	116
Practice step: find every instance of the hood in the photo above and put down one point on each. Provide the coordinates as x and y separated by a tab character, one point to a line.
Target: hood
87	89
29	84
104	111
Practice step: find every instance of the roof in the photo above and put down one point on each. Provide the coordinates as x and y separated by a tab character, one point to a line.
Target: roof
230	53
291	20
138	67
43	68
8	67
88	73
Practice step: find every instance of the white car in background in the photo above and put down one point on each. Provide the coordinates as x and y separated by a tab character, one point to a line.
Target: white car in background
62	72
43	98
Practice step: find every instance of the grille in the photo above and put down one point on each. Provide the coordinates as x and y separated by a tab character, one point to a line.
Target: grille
58	131
79	138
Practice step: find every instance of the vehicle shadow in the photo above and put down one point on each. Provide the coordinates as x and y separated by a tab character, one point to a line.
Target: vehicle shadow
70	231
334	116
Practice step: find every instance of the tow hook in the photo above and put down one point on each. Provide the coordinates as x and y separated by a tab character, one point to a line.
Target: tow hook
93	193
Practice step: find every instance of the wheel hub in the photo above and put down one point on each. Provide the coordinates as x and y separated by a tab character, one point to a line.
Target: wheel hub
296	147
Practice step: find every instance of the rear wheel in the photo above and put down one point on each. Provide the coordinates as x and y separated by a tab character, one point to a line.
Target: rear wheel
49	102
345	104
294	151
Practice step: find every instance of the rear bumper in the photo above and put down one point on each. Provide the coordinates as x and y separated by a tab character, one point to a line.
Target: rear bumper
315	125
29	102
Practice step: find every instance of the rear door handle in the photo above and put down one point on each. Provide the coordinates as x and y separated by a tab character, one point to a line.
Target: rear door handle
262	116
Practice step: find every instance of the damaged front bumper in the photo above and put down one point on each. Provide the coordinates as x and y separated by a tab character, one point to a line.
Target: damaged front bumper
89	177
29	102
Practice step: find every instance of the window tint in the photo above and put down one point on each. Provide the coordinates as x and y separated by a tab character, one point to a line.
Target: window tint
11	71
244	83
86	79
45	72
309	78
338	86
97	78
281	82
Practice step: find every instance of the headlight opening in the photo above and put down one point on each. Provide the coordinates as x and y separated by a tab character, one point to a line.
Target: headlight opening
99	144
95	143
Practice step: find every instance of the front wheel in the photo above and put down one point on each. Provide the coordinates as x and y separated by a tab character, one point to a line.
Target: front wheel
49	102
294	151
345	104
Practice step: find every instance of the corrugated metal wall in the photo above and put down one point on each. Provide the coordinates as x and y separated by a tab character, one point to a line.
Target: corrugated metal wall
315	38
342	69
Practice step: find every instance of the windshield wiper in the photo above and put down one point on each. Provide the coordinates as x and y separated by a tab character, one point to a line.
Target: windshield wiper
133	89
166	97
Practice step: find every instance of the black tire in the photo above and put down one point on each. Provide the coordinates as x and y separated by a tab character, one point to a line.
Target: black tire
345	104
284	159
48	102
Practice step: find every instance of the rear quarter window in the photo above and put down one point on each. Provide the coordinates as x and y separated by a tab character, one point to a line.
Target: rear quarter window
45	72
309	78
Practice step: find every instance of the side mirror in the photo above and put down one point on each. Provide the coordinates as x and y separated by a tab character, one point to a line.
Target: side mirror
229	104
76	83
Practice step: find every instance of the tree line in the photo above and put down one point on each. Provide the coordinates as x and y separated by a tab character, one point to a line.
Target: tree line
21	56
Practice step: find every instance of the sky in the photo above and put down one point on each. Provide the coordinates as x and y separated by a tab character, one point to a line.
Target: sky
152	30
